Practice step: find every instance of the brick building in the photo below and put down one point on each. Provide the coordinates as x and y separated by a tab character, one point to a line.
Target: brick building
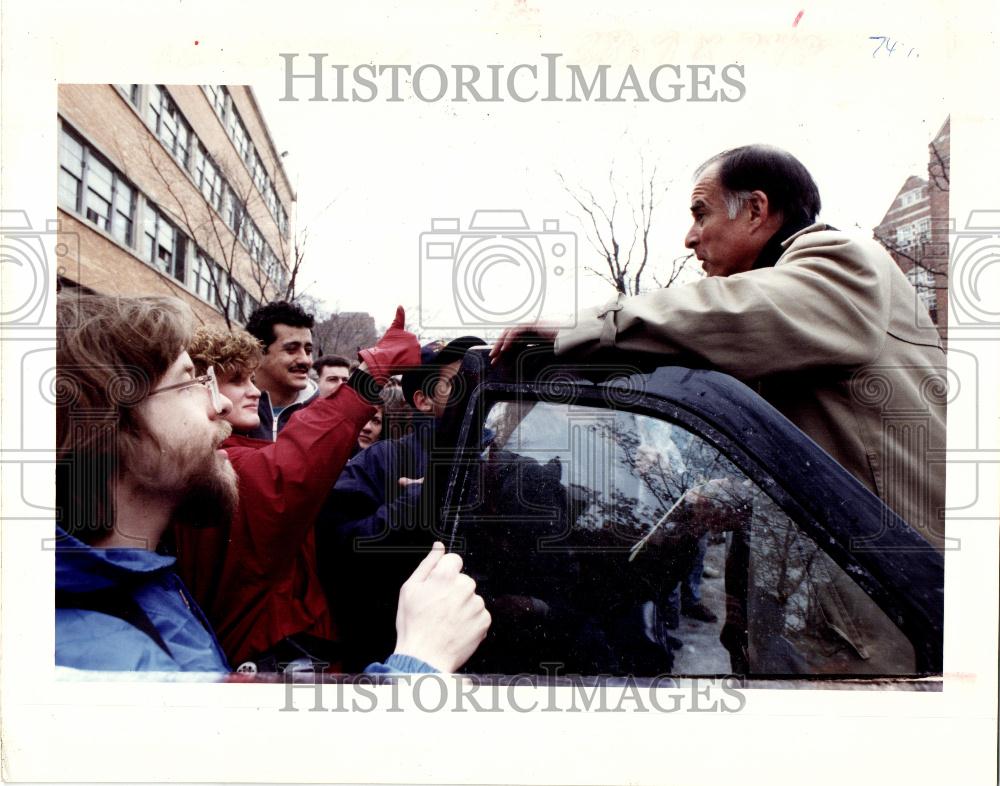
915	230
174	190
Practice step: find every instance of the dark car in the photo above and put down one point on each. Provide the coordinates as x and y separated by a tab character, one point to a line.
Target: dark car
581	497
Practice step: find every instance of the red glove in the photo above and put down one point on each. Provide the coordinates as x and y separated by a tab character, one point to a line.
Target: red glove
396	351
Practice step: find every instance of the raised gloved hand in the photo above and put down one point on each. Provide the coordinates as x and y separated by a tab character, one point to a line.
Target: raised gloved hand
396	351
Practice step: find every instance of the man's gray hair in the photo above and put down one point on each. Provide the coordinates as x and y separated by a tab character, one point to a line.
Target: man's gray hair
735	201
791	190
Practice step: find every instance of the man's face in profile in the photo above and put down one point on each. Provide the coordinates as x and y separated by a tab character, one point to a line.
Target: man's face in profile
723	245
180	456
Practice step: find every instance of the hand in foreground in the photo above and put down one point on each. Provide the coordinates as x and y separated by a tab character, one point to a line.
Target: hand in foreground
396	351
440	618
521	334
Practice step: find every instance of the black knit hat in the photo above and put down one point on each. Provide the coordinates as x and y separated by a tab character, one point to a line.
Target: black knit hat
432	357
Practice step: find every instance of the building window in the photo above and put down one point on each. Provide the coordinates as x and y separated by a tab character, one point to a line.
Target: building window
260	178
911	197
251	157
208	178
98	194
201	276
70	171
271	200
169	125
238	304
914	233
274	270
217	98
163	244
253	239
923	281
131	93
240	137
124	212
233	213
212	283
224	292
90	186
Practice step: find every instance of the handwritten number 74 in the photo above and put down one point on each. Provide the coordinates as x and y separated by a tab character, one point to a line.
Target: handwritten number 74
889	45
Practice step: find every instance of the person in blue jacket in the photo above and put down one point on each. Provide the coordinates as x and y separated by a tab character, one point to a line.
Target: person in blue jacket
138	436
375	520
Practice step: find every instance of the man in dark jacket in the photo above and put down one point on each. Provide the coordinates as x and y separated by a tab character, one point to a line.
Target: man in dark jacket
284	331
375	521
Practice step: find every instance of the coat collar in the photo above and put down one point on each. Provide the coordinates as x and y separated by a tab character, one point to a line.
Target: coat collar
82	568
780	240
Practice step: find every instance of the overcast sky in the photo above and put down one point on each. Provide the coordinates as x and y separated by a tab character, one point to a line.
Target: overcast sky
371	176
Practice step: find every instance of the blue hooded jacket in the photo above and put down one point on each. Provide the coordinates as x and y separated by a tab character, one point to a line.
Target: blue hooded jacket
96	641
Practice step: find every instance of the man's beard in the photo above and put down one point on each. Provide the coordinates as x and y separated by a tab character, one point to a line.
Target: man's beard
210	498
206	486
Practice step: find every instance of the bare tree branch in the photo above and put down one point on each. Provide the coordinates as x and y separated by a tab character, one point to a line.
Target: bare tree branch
236	256
920	256
626	258
939	169
677	265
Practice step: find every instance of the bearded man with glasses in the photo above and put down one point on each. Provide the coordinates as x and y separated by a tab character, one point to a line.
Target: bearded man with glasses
138	445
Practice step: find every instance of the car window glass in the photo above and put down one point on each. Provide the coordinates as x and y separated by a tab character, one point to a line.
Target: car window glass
613	542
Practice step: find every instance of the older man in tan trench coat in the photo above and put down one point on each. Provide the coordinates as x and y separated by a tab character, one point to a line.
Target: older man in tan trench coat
825	327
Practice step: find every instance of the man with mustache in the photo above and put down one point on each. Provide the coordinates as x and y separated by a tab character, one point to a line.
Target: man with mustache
285	332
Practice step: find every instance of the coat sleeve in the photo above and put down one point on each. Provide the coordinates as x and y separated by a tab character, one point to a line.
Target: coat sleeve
362	506
283	484
826	303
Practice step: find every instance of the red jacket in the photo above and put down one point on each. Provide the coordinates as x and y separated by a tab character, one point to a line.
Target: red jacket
256	578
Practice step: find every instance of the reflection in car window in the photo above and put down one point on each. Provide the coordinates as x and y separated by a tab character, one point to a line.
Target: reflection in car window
582	525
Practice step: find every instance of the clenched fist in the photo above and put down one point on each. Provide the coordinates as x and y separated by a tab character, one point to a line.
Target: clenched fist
440	618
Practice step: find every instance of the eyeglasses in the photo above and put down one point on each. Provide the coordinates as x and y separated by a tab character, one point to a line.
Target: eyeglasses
208	380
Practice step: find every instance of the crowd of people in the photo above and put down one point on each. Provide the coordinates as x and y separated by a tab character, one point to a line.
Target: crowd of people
219	509
190	544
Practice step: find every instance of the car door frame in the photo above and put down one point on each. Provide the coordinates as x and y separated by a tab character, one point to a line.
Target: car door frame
904	576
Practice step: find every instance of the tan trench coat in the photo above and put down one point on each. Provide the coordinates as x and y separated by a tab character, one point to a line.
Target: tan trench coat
833	336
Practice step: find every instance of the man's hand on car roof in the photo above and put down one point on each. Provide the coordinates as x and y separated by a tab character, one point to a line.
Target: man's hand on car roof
522	334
